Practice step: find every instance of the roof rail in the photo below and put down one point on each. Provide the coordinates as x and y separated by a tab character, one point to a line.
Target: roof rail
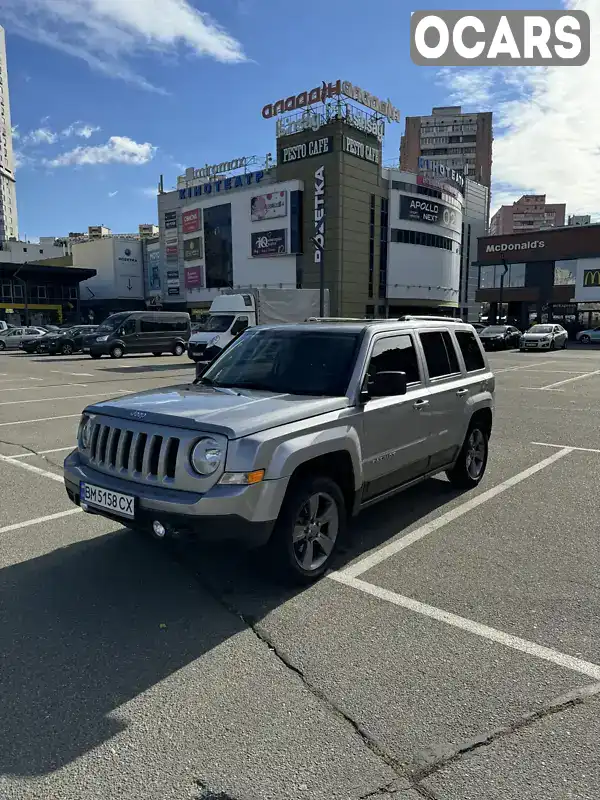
440	318
345	319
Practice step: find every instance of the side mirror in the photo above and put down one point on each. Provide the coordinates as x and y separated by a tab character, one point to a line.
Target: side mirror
387	384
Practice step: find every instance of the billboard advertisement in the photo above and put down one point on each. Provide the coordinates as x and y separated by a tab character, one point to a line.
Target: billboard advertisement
193	278
190	221
170	220
192	249
172	252
587	282
268	243
424	209
268	206
153	269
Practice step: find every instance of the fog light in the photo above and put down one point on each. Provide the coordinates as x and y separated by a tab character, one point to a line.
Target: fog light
159	529
84	506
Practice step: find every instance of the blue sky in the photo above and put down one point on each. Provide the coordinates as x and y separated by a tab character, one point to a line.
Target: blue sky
149	86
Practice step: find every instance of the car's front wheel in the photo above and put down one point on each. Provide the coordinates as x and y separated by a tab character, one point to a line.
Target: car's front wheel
116	352
470	466
2	345
178	350
311	522
67	349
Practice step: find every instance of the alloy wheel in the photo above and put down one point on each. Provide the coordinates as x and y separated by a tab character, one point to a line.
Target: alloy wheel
475	459
315	531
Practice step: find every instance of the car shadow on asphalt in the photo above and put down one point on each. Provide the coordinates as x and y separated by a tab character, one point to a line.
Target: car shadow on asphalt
158	367
88	627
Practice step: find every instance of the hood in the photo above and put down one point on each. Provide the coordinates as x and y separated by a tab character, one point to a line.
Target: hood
233	413
536	335
491	335
203	337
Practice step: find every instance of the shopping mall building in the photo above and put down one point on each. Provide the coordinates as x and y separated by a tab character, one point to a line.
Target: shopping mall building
324	210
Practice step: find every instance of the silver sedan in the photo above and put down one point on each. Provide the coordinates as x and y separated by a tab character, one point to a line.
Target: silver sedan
544	337
13	338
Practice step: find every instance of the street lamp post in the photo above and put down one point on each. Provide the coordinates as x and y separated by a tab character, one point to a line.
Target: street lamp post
502	288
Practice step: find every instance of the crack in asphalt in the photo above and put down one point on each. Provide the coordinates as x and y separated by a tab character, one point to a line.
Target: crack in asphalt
435	758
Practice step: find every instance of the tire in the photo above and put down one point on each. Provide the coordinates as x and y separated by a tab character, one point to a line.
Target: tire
37	350
564	347
116	352
95	356
67	350
2	345
585	339
307	496
157	354
178	350
467	473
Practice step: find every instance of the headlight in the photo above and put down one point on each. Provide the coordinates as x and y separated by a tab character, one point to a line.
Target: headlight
214	341
206	456
101	338
85	432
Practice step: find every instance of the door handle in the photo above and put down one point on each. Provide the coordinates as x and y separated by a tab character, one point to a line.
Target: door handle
462	392
420	403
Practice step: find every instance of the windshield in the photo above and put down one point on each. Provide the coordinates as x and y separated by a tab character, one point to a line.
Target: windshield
540	329
495	329
219	323
112	323
306	362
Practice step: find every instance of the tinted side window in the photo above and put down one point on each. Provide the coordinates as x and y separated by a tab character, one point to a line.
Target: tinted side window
129	326
471	351
148	325
439	353
395	354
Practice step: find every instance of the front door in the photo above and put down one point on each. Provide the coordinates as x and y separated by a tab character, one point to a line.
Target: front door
395	429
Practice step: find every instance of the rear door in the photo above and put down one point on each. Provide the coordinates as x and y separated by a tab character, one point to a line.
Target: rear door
395	429
14	337
449	395
149	339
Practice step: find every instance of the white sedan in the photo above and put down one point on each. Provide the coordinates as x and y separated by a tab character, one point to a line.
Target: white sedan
544	337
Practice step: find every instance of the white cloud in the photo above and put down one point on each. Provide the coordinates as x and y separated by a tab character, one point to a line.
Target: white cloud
16	133
108	34
113	194
39	136
150	191
44	135
118	150
80	129
546	125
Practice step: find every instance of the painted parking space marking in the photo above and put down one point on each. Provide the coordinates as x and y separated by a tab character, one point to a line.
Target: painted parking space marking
470	626
522	366
69	397
57	385
39	520
568	380
76	374
43	452
559	446
382	554
40	419
54	476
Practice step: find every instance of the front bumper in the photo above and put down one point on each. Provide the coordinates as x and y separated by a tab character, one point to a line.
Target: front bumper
242	514
201	352
535	345
492	344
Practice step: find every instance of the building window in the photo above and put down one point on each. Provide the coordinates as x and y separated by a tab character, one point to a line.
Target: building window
371	244
72	292
401	236
218	249
18	291
383	247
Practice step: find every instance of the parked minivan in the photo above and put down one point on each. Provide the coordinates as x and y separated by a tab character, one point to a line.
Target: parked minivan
155	332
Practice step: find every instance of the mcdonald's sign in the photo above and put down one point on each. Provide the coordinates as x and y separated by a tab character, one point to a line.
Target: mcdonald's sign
591	277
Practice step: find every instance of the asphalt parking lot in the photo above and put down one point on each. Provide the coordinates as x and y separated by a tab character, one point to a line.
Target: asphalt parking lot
454	654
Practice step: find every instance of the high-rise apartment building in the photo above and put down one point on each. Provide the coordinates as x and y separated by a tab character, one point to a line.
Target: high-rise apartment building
529	213
8	194
460	141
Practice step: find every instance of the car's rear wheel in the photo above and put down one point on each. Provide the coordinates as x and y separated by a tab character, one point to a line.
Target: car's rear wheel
585	339
67	349
2	345
178	350
116	352
310	525
470	466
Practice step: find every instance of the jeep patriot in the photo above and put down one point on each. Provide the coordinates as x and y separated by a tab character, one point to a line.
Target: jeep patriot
290	432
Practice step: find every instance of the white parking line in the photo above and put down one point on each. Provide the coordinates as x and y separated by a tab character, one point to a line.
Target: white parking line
69	397
523	366
40	419
44	452
24	378
375	558
469	625
60	385
30	468
18	525
579	449
568	380
77	374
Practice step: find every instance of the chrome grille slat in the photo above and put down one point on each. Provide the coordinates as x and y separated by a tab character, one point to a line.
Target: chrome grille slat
102	437
162	458
119	465
150	443
111	439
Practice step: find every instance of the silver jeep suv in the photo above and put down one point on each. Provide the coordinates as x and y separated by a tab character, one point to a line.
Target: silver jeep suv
289	432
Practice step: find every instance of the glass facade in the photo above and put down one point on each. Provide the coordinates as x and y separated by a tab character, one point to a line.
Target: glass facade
489	276
401	236
218	249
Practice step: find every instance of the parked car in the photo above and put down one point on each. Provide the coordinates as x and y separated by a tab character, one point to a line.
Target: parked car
5	326
39	345
479	326
13	339
592	335
288	433
70	341
544	337
153	332
500	337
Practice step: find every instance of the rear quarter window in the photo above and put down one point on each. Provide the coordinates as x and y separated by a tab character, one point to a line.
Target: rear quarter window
471	350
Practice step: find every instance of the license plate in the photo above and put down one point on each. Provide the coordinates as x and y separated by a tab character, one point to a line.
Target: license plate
117	503
85	349
531	344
